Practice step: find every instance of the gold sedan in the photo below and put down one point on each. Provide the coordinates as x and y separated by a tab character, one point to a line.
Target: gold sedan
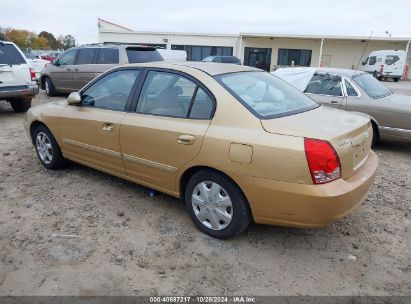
236	143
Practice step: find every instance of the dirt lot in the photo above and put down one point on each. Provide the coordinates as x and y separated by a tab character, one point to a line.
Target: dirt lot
131	244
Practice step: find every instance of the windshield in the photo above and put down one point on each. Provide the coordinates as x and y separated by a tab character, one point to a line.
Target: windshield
371	86
10	55
265	95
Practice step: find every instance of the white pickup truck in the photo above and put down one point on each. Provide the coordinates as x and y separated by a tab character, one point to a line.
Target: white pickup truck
17	79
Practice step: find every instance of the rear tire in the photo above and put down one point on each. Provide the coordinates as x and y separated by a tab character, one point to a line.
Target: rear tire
20	105
374	135
48	151
49	87
216	205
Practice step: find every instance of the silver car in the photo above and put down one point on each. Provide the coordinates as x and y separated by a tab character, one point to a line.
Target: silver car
77	66
358	91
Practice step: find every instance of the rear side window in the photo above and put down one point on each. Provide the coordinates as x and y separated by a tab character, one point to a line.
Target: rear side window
139	54
325	84
85	56
10	55
107	56
373	60
391	59
202	107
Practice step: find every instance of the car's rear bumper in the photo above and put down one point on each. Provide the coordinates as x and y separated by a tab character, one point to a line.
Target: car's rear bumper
290	204
25	91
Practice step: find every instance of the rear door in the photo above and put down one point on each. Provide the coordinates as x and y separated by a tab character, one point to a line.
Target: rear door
326	89
167	128
14	70
394	65
61	72
83	71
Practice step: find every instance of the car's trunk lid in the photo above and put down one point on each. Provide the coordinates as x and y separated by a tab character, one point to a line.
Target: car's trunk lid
350	134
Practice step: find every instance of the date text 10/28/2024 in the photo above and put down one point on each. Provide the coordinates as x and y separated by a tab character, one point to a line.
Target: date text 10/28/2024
202	299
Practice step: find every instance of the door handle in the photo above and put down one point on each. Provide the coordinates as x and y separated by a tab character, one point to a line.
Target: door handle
76	69
108	127
334	101
68	69
186	139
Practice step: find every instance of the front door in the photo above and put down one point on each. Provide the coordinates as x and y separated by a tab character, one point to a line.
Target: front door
83	71
258	57
62	71
167	129
90	131
326	89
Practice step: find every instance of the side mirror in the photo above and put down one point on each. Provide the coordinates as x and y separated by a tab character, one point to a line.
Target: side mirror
74	99
363	63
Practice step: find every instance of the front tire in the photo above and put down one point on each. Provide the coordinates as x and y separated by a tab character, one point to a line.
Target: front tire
49	87
48	151
20	105
396	79
216	205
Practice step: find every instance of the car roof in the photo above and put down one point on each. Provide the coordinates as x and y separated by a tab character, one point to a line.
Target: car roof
210	68
337	71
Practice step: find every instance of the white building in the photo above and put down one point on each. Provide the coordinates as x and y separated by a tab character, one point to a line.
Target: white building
262	50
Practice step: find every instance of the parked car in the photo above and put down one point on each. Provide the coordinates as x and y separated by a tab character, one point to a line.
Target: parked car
78	66
36	63
281	159
17	78
350	90
222	59
386	64
50	56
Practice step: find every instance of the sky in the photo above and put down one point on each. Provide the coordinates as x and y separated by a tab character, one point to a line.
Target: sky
311	17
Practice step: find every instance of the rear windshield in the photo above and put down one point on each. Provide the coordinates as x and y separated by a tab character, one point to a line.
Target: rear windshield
10	55
265	95
371	86
139	55
229	59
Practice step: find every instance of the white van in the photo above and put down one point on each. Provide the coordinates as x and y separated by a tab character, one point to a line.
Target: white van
385	64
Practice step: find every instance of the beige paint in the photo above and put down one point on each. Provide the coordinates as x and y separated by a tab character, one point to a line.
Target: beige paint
276	182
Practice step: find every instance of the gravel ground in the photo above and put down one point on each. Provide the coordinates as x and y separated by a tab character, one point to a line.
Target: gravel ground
131	244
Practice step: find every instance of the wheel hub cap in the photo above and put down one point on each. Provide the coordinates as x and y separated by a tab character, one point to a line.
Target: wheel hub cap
44	148
212	205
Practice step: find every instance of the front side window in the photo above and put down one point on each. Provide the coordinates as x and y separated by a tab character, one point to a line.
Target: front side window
371	86
112	91
85	56
173	95
265	95
350	89
373	60
67	58
107	56
325	84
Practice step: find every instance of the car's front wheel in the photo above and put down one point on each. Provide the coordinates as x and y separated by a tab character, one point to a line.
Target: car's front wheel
47	148
20	105
216	204
49	87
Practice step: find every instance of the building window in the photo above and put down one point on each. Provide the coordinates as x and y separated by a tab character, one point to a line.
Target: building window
198	52
300	57
258	57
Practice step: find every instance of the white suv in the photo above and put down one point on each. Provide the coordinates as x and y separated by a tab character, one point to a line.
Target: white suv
17	79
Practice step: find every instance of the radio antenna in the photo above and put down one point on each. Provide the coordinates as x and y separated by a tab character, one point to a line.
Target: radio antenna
363	51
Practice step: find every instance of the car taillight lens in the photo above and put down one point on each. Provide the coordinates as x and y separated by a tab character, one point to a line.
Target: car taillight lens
382	68
32	75
323	161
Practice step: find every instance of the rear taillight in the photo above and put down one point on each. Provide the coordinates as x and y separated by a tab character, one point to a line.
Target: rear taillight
323	161
32	75
382	69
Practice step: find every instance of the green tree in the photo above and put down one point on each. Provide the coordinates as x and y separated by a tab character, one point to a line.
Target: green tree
53	43
69	42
